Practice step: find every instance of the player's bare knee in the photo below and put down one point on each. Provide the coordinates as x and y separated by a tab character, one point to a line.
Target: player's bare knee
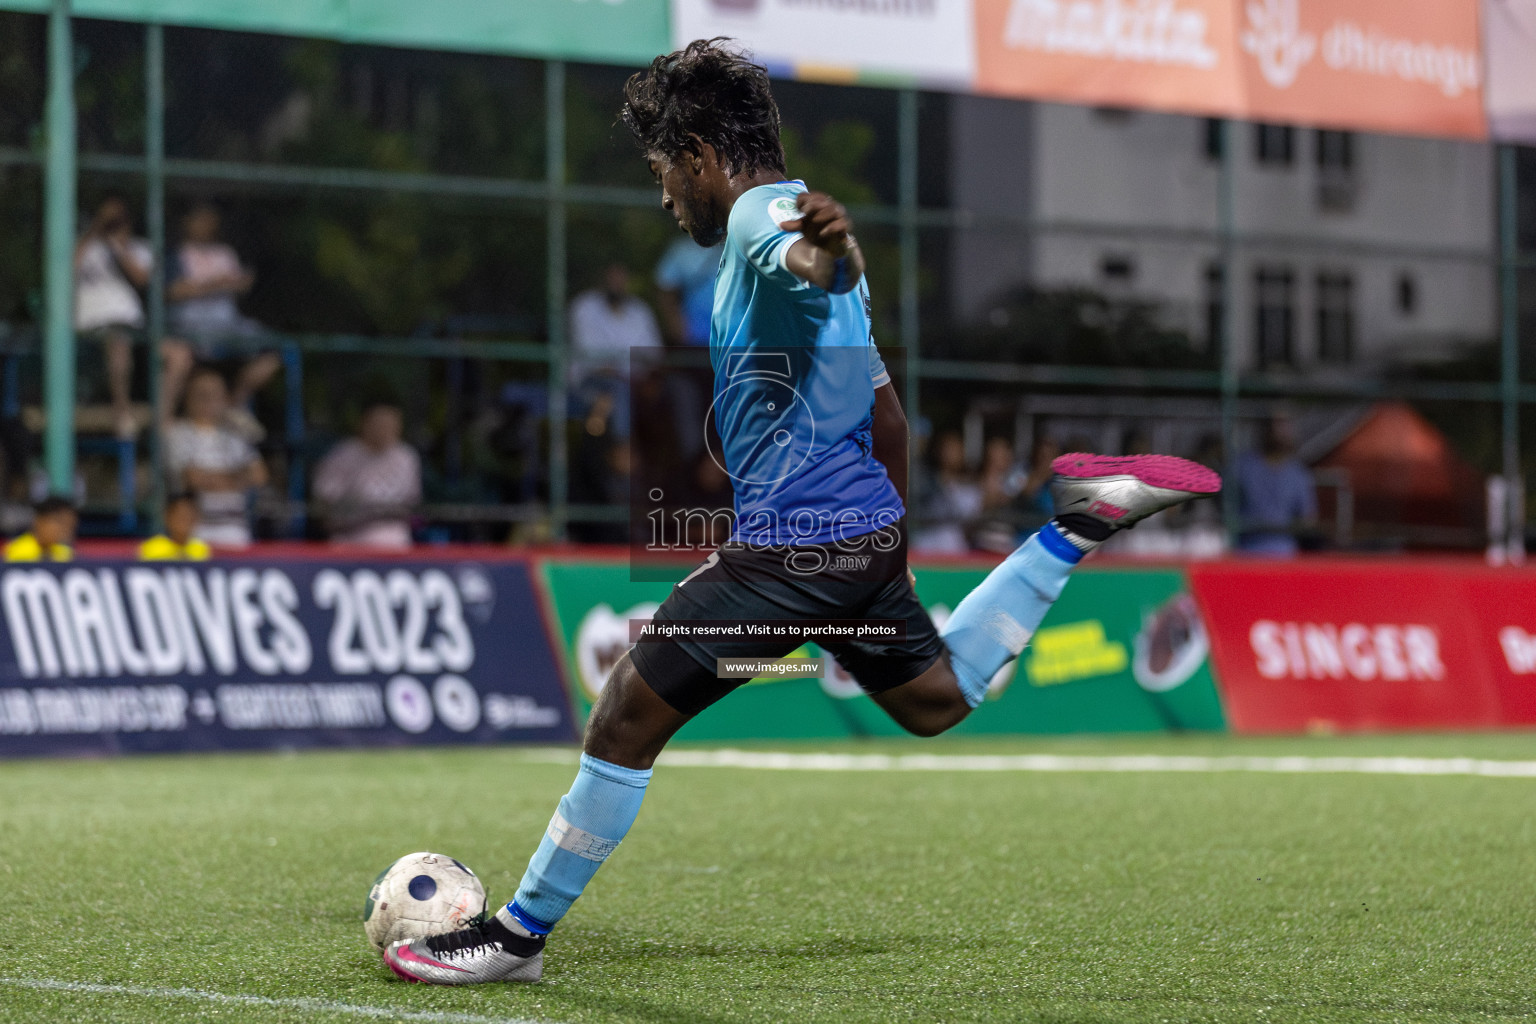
629	724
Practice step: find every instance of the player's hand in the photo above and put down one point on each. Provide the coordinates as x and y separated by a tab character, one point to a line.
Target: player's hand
823	222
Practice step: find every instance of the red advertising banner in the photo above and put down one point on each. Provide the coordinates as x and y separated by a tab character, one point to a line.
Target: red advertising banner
1370	646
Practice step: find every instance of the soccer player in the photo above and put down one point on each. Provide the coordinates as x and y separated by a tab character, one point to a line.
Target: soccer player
816	445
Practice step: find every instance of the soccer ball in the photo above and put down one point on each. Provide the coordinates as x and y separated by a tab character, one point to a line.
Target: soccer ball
421	894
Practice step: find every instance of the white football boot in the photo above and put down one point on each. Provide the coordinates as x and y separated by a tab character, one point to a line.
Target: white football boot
489	950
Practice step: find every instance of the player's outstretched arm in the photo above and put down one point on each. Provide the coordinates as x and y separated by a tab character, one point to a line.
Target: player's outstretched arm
827	255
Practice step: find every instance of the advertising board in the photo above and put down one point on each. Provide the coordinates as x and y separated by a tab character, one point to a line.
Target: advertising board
1123	650
103	657
1336	645
928	41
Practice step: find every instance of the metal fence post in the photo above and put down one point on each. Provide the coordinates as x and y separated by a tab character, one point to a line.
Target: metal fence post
1228	360
907	143
554	176
1509	341
154	215
59	254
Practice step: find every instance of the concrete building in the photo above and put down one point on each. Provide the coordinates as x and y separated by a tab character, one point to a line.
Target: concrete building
1353	251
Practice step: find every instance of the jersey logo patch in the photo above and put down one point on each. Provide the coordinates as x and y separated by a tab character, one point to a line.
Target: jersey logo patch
783	209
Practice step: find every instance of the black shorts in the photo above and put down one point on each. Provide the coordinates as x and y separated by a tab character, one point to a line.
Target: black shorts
753	584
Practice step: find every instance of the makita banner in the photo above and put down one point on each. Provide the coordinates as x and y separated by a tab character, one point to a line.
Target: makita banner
1336	645
104	657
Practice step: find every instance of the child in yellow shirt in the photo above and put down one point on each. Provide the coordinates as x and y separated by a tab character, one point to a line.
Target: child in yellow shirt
176	544
53	530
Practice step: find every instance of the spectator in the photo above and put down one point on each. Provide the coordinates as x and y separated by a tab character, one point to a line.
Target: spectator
685	283
178	543
1035	490
606	323
111	268
600	475
685	298
53	531
369	484
205	455
206	283
953	501
1001	478
1275	494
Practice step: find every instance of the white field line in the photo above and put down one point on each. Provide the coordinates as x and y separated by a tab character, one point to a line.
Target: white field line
1134	763
227	999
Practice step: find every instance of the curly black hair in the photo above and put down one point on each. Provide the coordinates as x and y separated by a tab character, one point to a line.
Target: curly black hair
714	92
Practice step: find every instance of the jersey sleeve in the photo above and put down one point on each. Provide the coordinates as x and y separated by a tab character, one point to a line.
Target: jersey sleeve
754	230
879	376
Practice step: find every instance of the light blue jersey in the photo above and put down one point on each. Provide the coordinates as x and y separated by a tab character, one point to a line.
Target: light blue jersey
795	378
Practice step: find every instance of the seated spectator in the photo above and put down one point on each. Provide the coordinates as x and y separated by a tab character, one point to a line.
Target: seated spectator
205	455
53	531
606	323
178	543
952	503
112	267
207	280
369	484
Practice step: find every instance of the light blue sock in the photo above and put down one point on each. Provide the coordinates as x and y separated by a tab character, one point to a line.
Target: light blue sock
995	621
589	823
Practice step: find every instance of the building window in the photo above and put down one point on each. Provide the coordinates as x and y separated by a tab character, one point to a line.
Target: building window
1275	316
1215	306
1274	144
1407	294
1213	138
1335	152
1335	317
1117	268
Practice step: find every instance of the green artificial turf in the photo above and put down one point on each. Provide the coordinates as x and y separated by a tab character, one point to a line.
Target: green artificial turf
745	895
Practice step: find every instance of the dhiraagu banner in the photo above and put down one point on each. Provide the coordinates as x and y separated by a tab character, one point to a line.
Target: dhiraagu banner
1123	650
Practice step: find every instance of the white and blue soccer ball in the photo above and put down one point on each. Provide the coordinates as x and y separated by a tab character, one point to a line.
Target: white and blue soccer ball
421	894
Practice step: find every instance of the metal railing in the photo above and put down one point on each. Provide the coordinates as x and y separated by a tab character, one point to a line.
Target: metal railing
556	194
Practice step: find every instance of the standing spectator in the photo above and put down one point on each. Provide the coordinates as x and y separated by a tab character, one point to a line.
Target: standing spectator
53	531
178	543
205	455
685	298
685	283
606	323
1275	494
953	502
369	484
111	268
206	282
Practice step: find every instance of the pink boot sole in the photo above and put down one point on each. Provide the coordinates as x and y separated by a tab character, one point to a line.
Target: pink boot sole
1166	471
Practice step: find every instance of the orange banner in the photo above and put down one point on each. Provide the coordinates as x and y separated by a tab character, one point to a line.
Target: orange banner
1164	54
1406	66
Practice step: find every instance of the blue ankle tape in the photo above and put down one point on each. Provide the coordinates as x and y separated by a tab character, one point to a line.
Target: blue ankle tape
1052	540
528	921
